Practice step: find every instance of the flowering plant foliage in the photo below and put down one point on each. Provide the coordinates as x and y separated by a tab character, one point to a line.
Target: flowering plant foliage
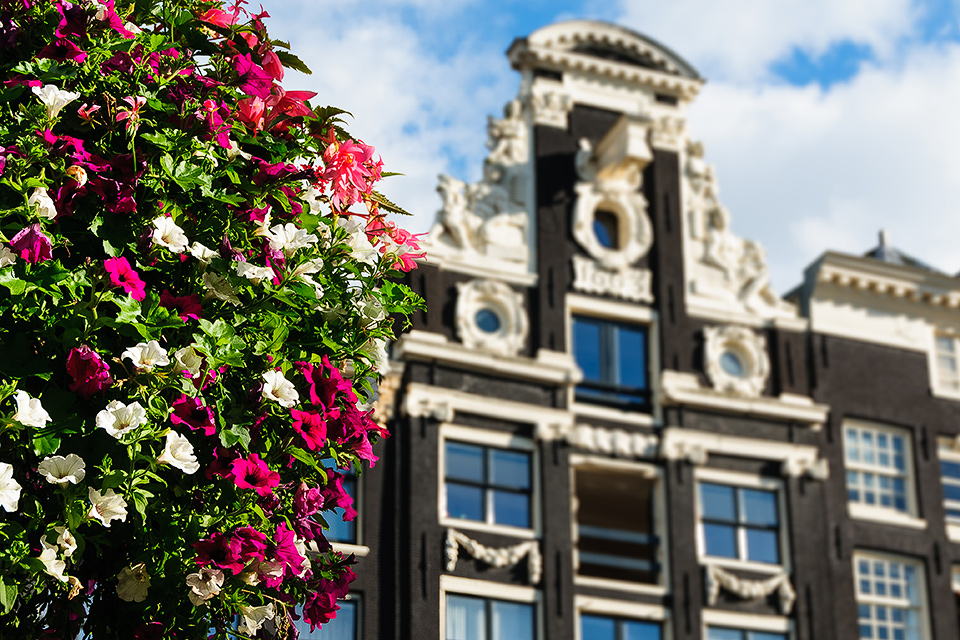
196	290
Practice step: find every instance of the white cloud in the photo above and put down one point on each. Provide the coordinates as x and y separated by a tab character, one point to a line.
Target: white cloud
803	170
738	39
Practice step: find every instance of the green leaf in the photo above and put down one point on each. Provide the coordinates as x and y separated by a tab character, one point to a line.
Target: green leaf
292	62
386	204
46	445
233	435
303	456
8	595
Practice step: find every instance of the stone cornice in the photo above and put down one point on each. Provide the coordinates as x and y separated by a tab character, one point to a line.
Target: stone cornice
910	284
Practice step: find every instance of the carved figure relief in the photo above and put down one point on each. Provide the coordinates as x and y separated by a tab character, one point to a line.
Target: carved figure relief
728	271
551	108
491	317
488	218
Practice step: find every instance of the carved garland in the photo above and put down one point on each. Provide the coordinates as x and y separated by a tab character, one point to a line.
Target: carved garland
717	578
495	557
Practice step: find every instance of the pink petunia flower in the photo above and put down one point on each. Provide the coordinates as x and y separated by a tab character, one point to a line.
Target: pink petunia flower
311	426
32	245
89	371
122	275
188	307
132	115
253	473
192	413
327	385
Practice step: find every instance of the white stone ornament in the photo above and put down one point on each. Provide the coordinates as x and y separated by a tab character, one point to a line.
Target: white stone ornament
717	578
491	317
736	360
495	556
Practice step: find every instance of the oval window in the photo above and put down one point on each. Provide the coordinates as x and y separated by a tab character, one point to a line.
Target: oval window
732	365
487	320
606	225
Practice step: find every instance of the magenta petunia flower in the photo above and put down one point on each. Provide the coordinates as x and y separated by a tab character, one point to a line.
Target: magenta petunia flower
89	371
32	245
188	307
326	385
122	275
285	551
253	473
192	413
311	426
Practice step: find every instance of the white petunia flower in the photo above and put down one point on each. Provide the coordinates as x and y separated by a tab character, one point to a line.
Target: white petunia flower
252	272
147	355
360	247
101	8
107	506
234	150
118	418
167	234
312	197
133	582
7	257
202	253
376	350
371	310
289	238
189	360
178	453
54	98
29	411
52	564
66	541
61	470
279	389
254	617
204	585
218	287
43	202
9	488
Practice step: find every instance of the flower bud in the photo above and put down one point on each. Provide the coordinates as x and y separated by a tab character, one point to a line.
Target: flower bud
78	173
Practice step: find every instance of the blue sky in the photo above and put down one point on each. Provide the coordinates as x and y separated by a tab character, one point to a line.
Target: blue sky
826	120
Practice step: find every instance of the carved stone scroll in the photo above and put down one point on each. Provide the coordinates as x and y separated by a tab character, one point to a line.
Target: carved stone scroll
494	556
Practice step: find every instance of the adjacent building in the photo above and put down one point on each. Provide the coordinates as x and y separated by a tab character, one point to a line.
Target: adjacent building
607	425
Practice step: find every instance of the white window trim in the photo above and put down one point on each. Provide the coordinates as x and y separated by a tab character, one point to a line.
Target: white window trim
947	450
489	438
922	593
456	585
737	479
660	523
875	513
955	578
936	387
618	312
639	611
746	622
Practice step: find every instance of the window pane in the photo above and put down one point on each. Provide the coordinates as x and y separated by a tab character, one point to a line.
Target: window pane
597	628
763	635
950	469
511	621
343	627
466	618
341	531
762	546
511	508
717	633
464	461
509	469
464	502
759	507
721	540
586	347
633	630
717	502
631	356
951	492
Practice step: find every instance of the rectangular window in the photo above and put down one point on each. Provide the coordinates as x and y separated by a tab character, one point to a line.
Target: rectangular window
889	600
615	525
740	523
346	626
341	531
487	484
614	359
473	618
950	479
725	633
877	462
947	356
606	628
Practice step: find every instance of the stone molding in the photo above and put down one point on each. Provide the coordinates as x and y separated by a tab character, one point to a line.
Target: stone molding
716	579
498	298
629	284
748	347
494	556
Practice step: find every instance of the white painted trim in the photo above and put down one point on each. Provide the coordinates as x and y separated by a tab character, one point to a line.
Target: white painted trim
884	516
953	532
480	269
609	413
737	479
924	597
358	550
620	608
797	459
621	585
955	578
442	404
684	389
549	367
748	621
490	438
455	585
612	309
